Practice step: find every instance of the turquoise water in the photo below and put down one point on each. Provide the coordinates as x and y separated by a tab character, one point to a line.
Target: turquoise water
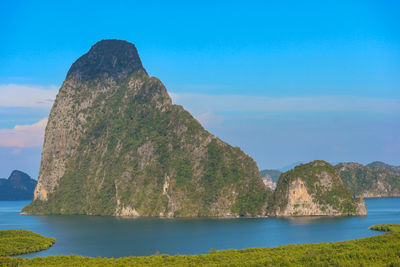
115	237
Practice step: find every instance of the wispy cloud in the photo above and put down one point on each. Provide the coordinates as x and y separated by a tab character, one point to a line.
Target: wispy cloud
208	119
204	103
16	95
23	136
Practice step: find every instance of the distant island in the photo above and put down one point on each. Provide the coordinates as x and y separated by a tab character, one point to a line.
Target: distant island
270	178
376	179
18	186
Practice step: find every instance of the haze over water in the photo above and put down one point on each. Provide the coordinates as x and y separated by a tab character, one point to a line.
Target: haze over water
116	237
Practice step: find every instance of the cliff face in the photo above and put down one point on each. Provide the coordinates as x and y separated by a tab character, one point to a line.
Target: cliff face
18	186
372	180
314	189
116	145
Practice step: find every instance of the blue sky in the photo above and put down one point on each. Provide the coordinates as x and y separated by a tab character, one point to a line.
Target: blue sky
286	81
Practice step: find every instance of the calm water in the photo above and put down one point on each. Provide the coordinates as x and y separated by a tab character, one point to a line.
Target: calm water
116	237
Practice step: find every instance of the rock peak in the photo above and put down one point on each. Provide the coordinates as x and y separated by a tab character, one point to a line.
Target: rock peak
109	58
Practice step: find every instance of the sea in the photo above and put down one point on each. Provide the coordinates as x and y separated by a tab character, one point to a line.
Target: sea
106	236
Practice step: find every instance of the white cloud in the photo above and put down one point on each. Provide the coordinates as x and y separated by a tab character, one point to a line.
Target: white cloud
16	95
23	136
202	103
174	97
208	119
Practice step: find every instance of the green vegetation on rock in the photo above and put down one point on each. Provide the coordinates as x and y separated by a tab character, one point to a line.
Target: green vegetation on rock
116	145
381	250
384	166
373	180
315	188
16	242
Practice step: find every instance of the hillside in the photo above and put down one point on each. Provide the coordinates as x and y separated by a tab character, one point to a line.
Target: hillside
369	180
383	166
314	188
116	145
18	186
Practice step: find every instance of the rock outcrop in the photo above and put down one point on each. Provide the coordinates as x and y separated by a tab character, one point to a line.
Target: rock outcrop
116	145
273	174
270	178
372	180
312	189
269	183
18	186
361	207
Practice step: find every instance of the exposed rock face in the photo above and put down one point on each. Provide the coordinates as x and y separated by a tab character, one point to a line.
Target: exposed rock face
361	207
270	178
18	186
108	59
116	145
314	189
269	183
373	180
273	174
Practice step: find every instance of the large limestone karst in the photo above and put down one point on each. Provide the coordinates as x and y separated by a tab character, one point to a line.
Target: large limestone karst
315	188
116	145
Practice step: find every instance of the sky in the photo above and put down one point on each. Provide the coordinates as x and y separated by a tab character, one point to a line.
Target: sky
286	81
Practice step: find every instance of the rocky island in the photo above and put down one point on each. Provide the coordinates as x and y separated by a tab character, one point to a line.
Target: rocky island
116	145
18	186
315	188
376	179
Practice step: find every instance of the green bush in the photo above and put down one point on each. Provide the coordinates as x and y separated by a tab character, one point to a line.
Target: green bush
15	242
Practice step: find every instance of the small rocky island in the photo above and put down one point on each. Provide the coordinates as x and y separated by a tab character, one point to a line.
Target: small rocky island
312	189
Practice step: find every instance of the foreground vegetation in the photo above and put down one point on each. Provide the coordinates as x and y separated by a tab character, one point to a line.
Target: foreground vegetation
15	242
382	250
